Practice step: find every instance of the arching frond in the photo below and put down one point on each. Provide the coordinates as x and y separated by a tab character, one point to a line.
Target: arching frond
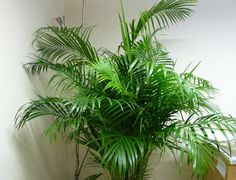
197	138
64	44
165	13
121	154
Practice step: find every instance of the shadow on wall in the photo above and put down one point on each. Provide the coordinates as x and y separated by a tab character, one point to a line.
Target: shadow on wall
40	159
166	168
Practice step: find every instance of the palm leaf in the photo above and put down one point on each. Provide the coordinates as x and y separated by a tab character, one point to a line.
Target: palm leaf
194	137
165	13
64	44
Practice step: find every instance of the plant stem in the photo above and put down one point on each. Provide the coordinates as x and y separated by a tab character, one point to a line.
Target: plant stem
77	172
81	166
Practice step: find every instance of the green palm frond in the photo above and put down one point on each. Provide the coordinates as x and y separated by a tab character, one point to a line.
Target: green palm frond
197	137
199	83
64	44
121	154
71	127
66	76
44	106
151	50
165	13
106	72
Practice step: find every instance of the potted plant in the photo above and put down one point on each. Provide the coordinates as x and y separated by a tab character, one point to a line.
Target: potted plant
125	105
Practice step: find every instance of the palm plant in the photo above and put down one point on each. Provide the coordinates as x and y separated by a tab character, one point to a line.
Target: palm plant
127	104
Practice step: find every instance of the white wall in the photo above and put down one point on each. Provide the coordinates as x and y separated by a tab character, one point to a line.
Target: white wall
23	154
209	36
